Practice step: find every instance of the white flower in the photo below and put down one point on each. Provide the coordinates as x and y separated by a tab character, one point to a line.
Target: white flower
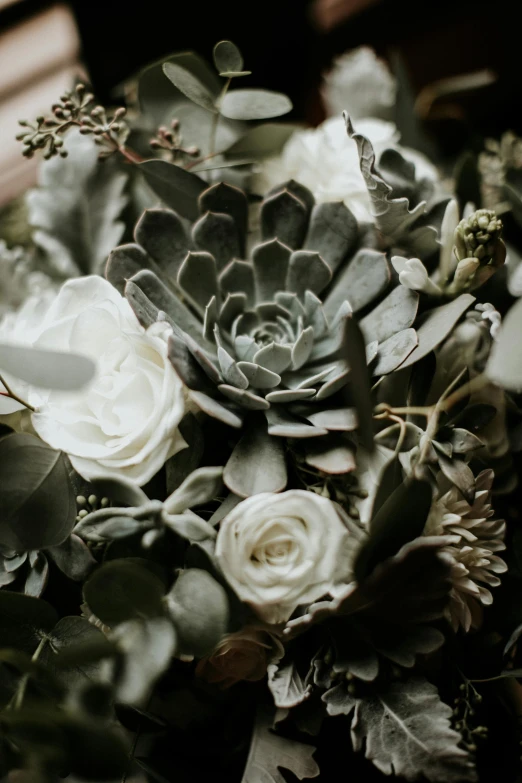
413	274
326	161
360	83
476	537
125	422
280	551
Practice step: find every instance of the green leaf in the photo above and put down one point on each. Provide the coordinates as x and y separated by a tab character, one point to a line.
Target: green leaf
354	351
177	188
70	634
199	607
24	620
75	209
286	685
37	499
120	491
504	367
269	753
393	217
47	369
400	519
227	57
160	100
201	486
436	326
122	590
261	142
405	730
189	85
147	647
185	461
254	104
257	463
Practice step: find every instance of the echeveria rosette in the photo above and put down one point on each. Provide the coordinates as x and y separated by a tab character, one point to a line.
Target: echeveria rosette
263	338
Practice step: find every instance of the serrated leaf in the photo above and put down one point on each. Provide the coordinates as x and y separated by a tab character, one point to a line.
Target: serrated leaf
254	104
75	209
286	685
393	216
406	731
270	752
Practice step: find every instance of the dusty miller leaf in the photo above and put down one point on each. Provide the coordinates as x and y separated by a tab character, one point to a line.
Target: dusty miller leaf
406	731
392	215
287	685
75	208
269	752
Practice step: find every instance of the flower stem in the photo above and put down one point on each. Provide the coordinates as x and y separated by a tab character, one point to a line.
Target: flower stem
217	115
13	396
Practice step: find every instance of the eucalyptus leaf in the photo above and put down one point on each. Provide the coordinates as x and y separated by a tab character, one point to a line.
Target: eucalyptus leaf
190	85
177	188
47	369
227	57
198	606
23	620
121	590
261	141
254	104
37	499
257	463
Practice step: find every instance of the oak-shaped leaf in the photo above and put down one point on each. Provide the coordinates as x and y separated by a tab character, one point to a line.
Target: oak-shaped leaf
393	217
270	752
76	207
405	730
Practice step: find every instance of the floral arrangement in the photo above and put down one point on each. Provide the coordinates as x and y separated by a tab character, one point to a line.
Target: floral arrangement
260	417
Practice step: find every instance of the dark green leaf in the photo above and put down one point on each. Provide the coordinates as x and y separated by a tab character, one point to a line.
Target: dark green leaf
284	217
354	351
185	461
122	590
257	464
260	142
198	605
69	635
399	520
37	499
254	104
177	188
24	620
459	474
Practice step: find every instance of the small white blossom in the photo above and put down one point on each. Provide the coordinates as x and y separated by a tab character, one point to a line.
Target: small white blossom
361	83
414	275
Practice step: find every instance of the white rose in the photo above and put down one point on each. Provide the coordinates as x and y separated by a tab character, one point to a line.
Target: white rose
125	422
326	161
280	551
361	83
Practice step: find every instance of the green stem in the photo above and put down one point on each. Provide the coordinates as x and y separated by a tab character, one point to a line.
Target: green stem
24	681
217	115
13	396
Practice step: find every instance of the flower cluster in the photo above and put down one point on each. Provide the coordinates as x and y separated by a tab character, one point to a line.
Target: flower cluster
254	462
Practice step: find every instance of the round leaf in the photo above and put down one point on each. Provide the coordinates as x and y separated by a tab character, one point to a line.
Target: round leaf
37	499
227	57
254	104
198	604
23	620
122	590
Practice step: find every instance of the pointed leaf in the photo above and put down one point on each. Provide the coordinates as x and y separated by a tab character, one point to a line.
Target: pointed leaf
307	272
355	354
199	487
162	234
257	464
198	278
284	217
189	84
229	200
47	369
364	279
177	188
217	234
270	262
395	313
124	262
333	232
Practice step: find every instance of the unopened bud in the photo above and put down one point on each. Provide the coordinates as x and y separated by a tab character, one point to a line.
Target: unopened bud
465	271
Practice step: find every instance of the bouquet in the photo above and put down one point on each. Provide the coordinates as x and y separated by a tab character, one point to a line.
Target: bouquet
260	416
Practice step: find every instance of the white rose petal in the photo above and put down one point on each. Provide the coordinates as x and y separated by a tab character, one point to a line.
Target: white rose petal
280	551
125	423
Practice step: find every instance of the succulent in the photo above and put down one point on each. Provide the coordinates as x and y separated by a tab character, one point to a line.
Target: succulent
262	339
